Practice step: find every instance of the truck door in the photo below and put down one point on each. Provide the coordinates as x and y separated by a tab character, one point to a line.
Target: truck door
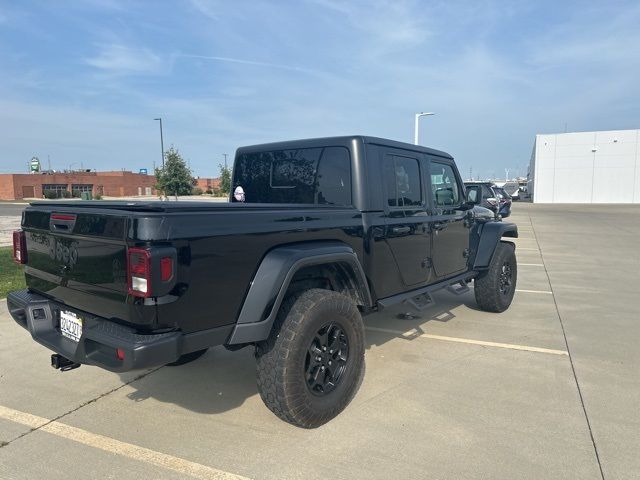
450	233
406	219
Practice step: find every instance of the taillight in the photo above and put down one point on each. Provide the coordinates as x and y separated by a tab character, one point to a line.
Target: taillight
139	272
19	246
151	271
166	269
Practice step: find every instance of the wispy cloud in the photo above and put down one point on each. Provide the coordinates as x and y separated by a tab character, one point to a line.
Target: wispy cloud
495	73
122	60
603	42
395	24
205	7
249	62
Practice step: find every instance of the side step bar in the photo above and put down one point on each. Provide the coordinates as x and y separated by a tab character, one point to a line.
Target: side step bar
421	302
458	288
457	285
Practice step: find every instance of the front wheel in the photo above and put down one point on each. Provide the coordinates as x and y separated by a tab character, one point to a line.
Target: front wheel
312	365
494	288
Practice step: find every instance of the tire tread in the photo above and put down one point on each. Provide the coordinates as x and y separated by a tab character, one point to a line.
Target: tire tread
273	354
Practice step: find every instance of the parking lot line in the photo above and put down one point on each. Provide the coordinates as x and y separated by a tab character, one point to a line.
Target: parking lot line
526	248
546	292
531	264
112	445
416	333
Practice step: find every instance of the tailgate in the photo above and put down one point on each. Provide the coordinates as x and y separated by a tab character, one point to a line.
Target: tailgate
82	251
77	256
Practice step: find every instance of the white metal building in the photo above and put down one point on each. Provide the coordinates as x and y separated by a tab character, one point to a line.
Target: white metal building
586	167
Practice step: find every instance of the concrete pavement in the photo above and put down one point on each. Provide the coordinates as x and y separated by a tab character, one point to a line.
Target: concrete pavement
430	406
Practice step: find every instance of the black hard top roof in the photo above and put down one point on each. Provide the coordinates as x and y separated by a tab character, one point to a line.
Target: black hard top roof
344	140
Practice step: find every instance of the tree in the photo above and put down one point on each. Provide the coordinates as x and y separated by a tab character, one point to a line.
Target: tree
175	178
225	179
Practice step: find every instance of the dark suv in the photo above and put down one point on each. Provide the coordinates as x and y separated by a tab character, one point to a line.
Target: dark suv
492	197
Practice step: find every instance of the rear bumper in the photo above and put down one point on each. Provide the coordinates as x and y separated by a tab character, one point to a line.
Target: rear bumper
101	337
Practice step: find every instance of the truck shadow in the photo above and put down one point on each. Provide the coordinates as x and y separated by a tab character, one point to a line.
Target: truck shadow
221	380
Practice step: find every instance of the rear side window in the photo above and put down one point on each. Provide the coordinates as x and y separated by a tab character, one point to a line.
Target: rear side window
402	176
307	175
334	177
444	185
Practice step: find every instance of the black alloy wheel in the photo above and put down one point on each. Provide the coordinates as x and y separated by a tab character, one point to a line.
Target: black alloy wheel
494	288
506	278
312	364
326	359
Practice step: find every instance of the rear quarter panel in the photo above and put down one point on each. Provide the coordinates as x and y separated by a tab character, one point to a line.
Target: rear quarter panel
220	251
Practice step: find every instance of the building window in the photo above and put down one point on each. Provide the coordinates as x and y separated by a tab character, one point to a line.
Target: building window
78	188
55	190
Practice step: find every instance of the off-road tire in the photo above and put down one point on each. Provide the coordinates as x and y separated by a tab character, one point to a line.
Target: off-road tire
490	291
283	358
187	358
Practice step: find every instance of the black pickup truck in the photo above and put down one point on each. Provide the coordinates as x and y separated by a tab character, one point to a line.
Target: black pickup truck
317	233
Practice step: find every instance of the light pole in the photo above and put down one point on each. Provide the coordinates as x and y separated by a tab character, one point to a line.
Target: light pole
161	140
415	133
225	160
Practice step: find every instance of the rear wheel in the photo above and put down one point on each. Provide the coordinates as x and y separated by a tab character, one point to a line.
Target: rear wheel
187	358
494	288
312	365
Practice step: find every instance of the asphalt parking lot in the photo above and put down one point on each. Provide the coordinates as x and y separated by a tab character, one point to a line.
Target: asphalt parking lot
548	389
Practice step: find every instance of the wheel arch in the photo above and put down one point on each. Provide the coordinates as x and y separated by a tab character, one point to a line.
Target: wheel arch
292	267
490	236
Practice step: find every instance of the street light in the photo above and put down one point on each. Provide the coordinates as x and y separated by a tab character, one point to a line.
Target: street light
415	133
161	140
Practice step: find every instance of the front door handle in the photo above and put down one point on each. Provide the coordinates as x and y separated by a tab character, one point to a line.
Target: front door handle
439	225
400	230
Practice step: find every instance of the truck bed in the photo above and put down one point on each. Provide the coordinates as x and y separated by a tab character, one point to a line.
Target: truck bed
219	247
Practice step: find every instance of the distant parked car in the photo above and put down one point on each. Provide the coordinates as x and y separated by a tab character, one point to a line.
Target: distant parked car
504	201
492	197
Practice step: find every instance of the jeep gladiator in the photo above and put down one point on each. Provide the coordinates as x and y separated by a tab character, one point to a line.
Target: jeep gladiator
316	234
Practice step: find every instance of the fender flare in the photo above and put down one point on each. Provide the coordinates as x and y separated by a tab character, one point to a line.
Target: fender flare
273	277
490	235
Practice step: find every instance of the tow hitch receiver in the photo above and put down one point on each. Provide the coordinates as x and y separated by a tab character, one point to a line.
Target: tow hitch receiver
62	363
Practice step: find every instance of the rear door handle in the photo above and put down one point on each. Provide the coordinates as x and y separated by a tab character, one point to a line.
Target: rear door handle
400	230
439	226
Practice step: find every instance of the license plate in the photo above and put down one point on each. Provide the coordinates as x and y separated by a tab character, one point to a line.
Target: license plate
70	325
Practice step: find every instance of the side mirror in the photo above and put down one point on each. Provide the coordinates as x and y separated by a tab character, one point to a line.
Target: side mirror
473	195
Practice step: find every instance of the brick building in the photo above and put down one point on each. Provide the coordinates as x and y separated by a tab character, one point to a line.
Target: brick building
16	186
208	183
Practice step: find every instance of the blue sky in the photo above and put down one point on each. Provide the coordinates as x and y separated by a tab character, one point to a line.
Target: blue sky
82	81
